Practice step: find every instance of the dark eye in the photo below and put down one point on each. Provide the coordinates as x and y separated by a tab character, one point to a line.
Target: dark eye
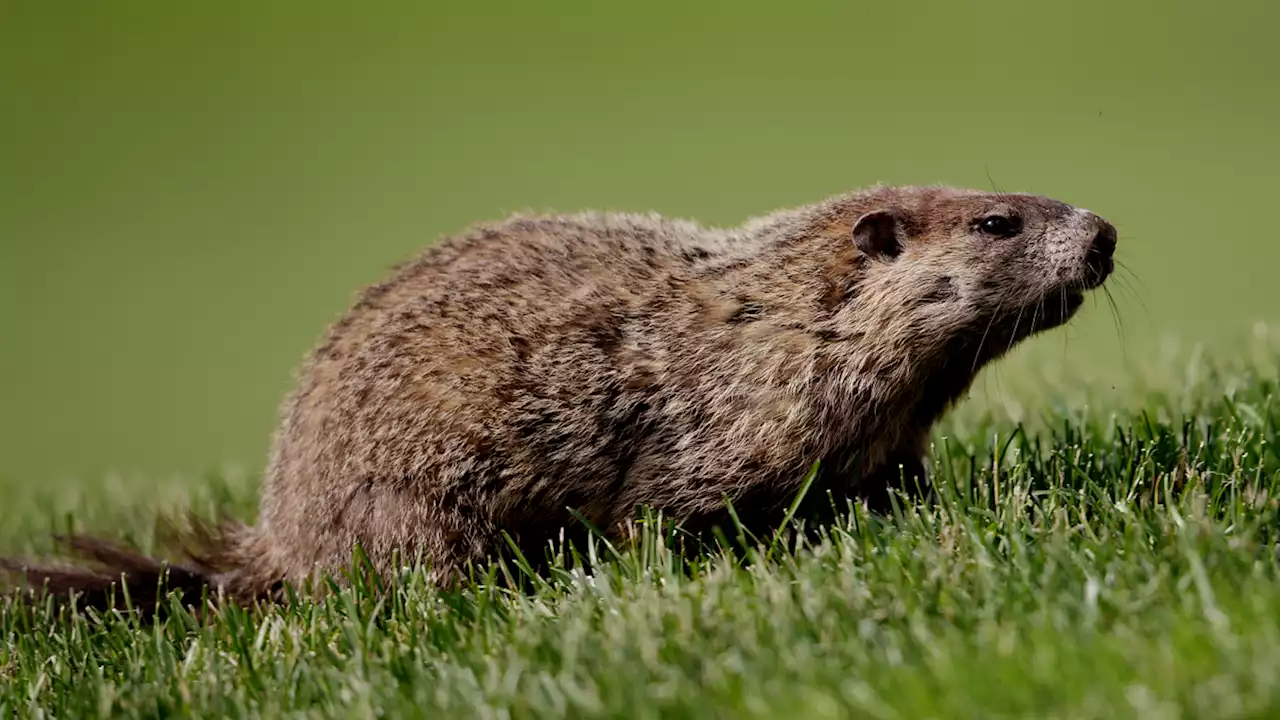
1000	226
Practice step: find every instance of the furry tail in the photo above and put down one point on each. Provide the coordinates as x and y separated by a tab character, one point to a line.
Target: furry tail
108	571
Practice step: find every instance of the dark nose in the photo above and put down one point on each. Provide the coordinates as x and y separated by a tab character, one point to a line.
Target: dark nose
1098	260
1104	243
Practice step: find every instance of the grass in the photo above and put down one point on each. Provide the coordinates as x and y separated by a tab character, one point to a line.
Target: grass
1109	556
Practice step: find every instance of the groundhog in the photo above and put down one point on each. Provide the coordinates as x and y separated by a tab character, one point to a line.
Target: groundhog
603	362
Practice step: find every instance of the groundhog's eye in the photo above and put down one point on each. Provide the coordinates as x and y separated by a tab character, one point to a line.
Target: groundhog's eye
1000	225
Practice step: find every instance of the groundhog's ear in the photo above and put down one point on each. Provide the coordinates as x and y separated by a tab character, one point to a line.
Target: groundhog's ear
879	234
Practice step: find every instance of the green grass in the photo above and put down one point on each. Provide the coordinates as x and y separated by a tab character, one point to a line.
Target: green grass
1096	560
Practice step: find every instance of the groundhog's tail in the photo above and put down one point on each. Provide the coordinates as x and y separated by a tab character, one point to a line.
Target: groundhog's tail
211	565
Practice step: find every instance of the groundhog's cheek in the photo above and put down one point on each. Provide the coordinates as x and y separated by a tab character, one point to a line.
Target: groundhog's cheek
1011	281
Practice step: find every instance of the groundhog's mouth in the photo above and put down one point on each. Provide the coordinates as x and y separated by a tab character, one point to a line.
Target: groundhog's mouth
1053	309
1098	269
1057	308
1059	305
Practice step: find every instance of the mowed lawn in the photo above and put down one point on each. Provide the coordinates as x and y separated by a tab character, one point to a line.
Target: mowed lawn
1113	556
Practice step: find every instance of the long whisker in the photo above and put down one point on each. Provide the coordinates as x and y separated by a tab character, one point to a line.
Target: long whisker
994	189
1014	335
1118	321
1066	334
1121	265
1115	310
1125	284
982	340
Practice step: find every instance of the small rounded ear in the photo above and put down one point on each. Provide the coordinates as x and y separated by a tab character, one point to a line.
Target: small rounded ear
879	234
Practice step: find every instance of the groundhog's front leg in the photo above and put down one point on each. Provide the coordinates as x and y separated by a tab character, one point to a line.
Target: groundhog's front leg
903	471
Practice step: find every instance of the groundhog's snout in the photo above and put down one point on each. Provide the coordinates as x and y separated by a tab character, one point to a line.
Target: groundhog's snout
1099	259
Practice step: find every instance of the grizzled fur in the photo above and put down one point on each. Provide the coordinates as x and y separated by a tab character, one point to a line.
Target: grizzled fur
605	361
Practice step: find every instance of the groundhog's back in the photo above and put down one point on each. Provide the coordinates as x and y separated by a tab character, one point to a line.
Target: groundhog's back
415	372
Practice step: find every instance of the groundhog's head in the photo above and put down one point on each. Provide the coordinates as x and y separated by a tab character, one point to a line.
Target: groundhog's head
1004	265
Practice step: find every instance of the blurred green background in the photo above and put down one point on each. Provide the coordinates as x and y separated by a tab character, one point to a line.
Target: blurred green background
189	192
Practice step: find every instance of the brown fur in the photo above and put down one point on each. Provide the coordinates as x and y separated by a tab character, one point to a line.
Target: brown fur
605	361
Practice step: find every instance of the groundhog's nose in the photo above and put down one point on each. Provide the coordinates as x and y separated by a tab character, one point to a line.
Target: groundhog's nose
1104	242
1099	260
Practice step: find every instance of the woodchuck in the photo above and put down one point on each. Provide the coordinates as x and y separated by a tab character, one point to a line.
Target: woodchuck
602	362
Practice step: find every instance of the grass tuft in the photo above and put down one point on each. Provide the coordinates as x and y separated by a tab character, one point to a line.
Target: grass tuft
1103	559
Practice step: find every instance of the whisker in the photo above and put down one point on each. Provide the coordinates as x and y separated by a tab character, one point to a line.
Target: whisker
1118	321
1066	331
995	190
1120	264
1016	322
982	340
1123	282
